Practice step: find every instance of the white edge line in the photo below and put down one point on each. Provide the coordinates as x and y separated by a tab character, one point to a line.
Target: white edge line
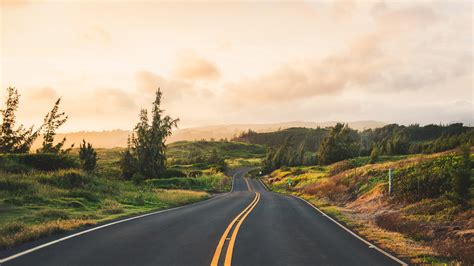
110	224
348	230
354	234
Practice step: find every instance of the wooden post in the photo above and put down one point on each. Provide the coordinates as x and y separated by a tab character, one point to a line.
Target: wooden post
390	181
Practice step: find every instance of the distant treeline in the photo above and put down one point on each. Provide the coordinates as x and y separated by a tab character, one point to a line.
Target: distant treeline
305	146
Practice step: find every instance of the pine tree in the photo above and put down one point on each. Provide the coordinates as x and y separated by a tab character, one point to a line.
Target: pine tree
340	144
52	121
88	156
374	155
148	144
13	140
128	162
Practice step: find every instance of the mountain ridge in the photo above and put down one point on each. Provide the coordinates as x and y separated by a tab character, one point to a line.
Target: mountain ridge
118	137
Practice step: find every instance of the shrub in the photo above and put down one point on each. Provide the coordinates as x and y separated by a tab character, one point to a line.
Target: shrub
37	161
214	183
67	179
170	172
12	166
429	179
88	156
341	166
16	185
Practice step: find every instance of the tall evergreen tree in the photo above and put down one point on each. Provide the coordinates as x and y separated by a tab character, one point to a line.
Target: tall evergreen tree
148	143
14	140
341	143
52	121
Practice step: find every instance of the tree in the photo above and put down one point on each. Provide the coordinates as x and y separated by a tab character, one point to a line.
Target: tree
461	181
14	140
52	121
128	162
147	147
340	144
374	155
88	156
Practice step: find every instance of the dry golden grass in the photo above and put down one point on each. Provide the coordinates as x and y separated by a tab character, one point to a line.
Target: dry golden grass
17	233
177	197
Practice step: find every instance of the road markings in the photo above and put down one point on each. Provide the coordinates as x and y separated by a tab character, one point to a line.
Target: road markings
230	247
25	252
240	219
371	246
248	185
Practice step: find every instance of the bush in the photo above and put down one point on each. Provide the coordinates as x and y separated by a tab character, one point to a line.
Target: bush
67	179
341	166
429	179
170	172
36	161
88	156
213	183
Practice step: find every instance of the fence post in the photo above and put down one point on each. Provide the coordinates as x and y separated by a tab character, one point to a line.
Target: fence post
390	181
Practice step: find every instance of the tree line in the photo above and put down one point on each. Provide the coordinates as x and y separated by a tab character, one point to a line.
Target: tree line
18	139
340	142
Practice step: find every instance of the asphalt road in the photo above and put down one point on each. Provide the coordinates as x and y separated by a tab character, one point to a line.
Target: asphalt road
270	229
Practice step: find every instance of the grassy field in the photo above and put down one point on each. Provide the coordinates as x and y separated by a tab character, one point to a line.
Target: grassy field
36	204
227	149
434	229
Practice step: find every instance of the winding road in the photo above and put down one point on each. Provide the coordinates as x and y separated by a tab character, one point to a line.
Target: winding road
248	226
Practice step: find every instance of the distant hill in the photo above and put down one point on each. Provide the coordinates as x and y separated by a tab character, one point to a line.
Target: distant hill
118	138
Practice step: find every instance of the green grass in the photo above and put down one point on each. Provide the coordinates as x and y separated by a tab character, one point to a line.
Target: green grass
227	149
38	204
210	183
35	204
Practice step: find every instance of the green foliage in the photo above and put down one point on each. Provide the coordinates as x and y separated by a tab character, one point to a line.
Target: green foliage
285	155
52	121
308	137
88	156
66	179
374	155
211	183
147	146
428	179
14	140
398	140
128	164
341	143
19	163
462	177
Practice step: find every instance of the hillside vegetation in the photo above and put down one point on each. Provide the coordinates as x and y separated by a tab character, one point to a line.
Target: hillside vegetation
424	220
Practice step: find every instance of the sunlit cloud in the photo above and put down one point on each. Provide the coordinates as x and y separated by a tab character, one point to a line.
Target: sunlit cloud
192	67
263	62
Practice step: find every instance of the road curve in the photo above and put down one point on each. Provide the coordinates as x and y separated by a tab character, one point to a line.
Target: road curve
266	229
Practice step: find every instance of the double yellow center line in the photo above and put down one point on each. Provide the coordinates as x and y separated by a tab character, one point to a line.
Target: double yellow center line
239	219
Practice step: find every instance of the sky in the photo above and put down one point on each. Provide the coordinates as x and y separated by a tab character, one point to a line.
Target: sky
239	62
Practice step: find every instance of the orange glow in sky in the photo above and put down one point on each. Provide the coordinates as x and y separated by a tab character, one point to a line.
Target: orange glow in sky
221	63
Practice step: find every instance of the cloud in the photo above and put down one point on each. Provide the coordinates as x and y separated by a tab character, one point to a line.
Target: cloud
149	82
110	100
370	63
13	3
96	35
190	66
42	93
